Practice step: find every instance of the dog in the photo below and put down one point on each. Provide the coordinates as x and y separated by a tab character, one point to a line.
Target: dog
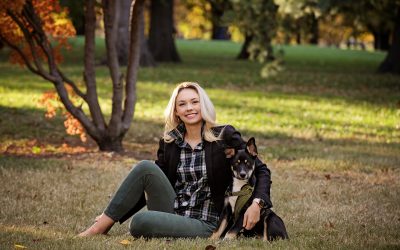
270	226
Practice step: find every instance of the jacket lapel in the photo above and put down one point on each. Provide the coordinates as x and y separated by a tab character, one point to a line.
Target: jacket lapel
208	155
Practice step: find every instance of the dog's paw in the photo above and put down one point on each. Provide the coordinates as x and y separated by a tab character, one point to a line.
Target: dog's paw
230	236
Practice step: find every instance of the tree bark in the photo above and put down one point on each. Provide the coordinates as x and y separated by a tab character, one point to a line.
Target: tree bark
161	37
244	53
219	32
146	58
123	31
391	64
314	30
381	40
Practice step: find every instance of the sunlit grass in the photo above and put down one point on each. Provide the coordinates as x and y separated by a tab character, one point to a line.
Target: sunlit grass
327	126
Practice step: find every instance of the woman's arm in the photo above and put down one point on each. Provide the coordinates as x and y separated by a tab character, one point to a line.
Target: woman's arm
160	155
233	139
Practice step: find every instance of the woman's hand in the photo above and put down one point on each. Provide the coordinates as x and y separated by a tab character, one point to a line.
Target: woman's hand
252	216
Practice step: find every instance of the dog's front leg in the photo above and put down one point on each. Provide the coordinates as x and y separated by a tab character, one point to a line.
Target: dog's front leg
235	229
223	222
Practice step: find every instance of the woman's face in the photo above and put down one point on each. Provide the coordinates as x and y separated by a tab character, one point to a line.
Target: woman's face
188	106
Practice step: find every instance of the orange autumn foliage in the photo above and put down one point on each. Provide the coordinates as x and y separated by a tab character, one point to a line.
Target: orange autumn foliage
57	28
51	102
55	22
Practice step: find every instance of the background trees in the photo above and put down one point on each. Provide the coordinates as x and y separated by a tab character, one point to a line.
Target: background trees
35	20
35	30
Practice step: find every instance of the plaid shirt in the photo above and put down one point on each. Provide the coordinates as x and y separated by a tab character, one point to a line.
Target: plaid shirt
193	192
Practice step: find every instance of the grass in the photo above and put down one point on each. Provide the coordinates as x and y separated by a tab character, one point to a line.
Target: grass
327	126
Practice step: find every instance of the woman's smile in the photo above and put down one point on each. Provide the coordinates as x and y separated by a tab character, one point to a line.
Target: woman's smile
188	107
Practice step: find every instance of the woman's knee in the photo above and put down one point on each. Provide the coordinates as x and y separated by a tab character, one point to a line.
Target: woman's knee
140	225
146	166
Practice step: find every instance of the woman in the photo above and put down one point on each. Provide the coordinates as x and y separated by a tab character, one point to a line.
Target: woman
184	188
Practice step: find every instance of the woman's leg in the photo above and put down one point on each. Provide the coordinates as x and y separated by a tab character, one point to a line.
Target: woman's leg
160	224
145	177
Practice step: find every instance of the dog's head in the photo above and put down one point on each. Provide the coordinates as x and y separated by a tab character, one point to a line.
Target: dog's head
243	160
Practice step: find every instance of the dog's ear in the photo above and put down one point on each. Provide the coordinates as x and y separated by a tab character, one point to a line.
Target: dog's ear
251	146
229	152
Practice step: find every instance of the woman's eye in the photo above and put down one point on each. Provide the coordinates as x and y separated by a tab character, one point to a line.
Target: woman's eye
194	102
181	104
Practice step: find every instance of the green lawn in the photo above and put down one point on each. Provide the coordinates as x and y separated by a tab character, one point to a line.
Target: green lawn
327	126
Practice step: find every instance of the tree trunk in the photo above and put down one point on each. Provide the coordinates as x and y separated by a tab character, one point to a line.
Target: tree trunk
219	32
244	53
314	30
146	58
391	64
123	31
111	144
381	39
161	37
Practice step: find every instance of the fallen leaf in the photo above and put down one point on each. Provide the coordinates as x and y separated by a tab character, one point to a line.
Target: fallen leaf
328	176
17	246
329	224
125	242
210	247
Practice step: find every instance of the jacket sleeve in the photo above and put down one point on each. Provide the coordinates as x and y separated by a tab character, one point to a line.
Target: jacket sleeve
263	183
232	139
161	155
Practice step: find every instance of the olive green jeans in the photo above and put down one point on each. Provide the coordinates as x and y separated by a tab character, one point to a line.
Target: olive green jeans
159	221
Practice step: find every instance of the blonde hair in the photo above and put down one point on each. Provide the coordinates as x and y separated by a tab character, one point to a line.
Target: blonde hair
207	112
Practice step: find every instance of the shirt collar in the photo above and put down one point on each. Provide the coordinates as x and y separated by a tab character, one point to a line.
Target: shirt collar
178	133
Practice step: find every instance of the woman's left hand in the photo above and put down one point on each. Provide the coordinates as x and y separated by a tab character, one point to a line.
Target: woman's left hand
252	216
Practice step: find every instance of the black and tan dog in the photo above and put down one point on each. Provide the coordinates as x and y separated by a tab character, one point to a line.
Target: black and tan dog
239	197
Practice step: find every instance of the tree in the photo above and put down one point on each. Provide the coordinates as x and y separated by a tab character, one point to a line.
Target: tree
146	58
28	27
219	28
381	18
391	64
301	18
161	35
256	20
76	14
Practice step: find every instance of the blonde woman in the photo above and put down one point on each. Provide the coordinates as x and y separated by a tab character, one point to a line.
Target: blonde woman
185	186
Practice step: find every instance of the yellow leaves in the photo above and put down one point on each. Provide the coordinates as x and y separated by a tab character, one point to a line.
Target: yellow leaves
17	246
125	242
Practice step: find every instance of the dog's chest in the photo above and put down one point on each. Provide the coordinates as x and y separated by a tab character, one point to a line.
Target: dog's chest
236	187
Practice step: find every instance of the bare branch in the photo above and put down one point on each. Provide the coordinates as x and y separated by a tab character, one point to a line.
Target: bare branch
76	111
72	85
111	16
90	73
19	51
40	36
133	64
28	38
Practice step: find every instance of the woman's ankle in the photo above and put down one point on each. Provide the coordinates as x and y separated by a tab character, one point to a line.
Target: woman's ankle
102	225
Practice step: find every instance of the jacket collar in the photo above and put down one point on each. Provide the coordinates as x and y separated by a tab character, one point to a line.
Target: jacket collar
178	133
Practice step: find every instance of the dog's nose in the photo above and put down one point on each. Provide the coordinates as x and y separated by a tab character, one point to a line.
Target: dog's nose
242	175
